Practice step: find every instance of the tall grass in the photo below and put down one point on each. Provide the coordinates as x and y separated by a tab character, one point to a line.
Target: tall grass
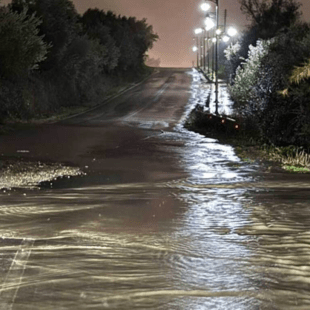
291	155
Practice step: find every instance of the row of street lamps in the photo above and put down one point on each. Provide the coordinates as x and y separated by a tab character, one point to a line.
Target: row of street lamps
223	34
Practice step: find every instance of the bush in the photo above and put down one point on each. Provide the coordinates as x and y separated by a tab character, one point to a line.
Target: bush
261	78
21	47
284	119
247	75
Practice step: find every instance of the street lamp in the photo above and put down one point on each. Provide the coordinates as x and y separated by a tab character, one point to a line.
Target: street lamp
205	6
226	38
202	47
232	31
216	2
209	23
195	49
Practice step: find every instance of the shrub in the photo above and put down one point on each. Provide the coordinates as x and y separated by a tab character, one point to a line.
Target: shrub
21	47
247	77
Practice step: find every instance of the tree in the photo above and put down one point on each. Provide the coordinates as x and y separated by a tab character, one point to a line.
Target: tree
270	16
247	75
94	28
280	120
132	38
21	46
300	73
59	25
21	5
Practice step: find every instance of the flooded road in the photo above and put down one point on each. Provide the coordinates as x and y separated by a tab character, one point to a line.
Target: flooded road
163	218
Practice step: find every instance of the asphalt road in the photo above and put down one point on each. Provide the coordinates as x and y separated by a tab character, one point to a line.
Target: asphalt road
162	218
97	141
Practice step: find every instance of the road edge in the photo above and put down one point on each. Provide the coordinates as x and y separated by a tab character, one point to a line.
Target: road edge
107	99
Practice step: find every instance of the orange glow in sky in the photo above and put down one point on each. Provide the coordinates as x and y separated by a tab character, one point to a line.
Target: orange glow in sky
174	21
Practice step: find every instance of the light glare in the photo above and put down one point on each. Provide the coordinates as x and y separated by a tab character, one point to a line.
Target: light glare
205	6
198	31
232	31
209	23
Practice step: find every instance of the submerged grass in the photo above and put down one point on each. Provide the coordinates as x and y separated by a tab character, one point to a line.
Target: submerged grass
296	169
247	144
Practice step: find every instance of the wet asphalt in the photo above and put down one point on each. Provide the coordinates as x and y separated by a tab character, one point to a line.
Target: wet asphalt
157	217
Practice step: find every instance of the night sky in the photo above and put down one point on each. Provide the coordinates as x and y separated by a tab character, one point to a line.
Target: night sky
174	22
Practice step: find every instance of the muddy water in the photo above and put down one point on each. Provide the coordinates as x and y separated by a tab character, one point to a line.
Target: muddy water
219	236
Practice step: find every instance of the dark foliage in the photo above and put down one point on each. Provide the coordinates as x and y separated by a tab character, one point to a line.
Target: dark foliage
280	120
21	48
268	19
127	38
79	58
284	119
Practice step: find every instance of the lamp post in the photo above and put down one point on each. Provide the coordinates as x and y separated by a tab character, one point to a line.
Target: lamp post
230	33
217	33
209	25
200	45
208	49
195	49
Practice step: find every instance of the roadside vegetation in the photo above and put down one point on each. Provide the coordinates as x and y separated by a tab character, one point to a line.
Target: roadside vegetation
53	60
268	76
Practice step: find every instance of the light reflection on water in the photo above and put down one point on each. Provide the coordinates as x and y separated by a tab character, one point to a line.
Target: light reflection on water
217	239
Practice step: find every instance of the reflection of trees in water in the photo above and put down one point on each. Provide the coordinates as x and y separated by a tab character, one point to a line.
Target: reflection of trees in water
152	62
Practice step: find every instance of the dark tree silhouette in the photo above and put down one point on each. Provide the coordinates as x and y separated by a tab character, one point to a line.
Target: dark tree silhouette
270	17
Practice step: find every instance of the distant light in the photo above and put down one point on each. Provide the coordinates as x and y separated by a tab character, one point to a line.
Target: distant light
236	126
213	40
195	49
226	38
218	31
232	31
209	22
223	121
205	6
198	31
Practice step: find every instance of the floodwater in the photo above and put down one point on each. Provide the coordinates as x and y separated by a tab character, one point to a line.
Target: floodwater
216	234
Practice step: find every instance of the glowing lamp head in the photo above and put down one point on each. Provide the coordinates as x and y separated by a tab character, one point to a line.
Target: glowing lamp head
226	39
205	6
195	48
214	40
218	31
209	22
198	31
231	31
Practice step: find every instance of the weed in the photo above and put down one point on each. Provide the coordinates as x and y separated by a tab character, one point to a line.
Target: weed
296	169
290	156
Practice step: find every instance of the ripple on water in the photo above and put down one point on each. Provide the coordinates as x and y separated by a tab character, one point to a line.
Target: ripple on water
214	240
